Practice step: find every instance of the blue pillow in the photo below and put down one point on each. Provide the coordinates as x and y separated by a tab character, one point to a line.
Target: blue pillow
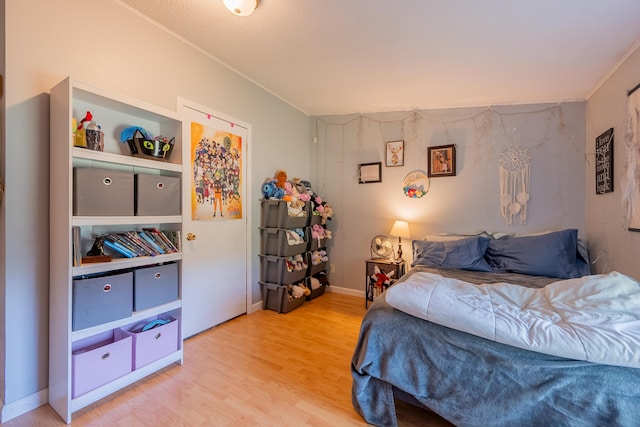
552	254
463	254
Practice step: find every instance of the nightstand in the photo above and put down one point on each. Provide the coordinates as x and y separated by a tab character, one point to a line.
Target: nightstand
386	266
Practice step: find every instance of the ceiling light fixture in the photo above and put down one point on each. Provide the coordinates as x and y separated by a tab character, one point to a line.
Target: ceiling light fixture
241	7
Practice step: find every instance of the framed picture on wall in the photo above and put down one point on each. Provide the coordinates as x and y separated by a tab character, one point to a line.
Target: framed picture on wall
369	172
395	153
442	160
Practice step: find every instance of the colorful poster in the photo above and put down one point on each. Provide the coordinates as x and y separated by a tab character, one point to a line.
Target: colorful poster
216	184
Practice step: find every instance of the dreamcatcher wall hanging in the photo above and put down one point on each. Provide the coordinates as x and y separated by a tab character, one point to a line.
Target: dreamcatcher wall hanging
514	184
415	184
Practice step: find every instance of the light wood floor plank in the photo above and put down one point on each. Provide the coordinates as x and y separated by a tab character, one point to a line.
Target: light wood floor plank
264	369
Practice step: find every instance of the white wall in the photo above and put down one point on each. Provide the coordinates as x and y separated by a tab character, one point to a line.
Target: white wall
469	202
610	242
105	44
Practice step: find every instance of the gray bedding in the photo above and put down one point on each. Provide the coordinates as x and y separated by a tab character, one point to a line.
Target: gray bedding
471	381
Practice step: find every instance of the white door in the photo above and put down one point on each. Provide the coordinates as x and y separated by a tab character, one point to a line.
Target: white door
214	211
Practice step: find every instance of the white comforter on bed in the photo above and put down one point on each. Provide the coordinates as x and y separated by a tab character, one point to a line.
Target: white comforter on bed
594	318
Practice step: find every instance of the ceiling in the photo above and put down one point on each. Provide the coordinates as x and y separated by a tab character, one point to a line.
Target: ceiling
362	56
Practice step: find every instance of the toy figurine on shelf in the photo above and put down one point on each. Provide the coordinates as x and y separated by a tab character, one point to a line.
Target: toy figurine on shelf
96	253
87	133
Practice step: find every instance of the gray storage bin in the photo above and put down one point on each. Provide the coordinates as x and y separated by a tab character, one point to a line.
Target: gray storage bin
275	214
157	195
103	299
153	286
274	297
274	242
274	269
102	192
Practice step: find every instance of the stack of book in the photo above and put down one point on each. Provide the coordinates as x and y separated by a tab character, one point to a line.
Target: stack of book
146	242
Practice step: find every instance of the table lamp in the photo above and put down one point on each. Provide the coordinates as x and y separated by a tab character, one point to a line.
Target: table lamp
400	229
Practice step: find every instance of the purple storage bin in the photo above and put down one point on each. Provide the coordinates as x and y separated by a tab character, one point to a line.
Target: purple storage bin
153	344
100	359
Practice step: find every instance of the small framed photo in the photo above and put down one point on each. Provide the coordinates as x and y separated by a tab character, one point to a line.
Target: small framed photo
442	160
395	153
369	172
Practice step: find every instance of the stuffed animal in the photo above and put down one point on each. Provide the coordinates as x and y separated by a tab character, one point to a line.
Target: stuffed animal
281	178
317	232
319	256
380	279
301	189
299	290
322	278
271	191
315	283
287	191
299	262
326	214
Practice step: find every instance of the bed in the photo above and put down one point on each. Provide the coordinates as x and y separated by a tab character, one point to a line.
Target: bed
471	380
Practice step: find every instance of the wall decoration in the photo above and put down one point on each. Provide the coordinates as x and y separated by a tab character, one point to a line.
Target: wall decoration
369	172
514	184
395	153
604	162
416	184
216	178
631	177
442	160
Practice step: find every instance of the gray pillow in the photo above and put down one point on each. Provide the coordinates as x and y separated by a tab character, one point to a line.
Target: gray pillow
463	254
551	254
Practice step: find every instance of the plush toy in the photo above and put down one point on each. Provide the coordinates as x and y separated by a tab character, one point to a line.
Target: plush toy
380	279
291	195
299	262
327	234
319	256
271	191
299	190
327	214
322	278
281	178
315	283
294	237
299	290
317	232
291	265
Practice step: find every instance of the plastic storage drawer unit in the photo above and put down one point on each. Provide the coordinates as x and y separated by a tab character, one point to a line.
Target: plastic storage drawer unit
275	297
274	269
153	286
100	359
275	214
157	195
102	192
275	241
101	299
155	343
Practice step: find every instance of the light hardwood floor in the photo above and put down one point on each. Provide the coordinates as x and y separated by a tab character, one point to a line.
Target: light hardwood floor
262	369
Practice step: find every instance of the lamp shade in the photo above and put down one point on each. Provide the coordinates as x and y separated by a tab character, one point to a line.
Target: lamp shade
400	229
241	7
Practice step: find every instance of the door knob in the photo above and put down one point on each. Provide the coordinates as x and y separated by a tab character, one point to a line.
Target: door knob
191	236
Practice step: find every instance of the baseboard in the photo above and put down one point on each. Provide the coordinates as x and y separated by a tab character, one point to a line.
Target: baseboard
255	307
345	291
24	405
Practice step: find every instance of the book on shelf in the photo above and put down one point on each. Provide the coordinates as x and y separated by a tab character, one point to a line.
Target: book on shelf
162	239
77	249
173	236
142	244
118	248
146	235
